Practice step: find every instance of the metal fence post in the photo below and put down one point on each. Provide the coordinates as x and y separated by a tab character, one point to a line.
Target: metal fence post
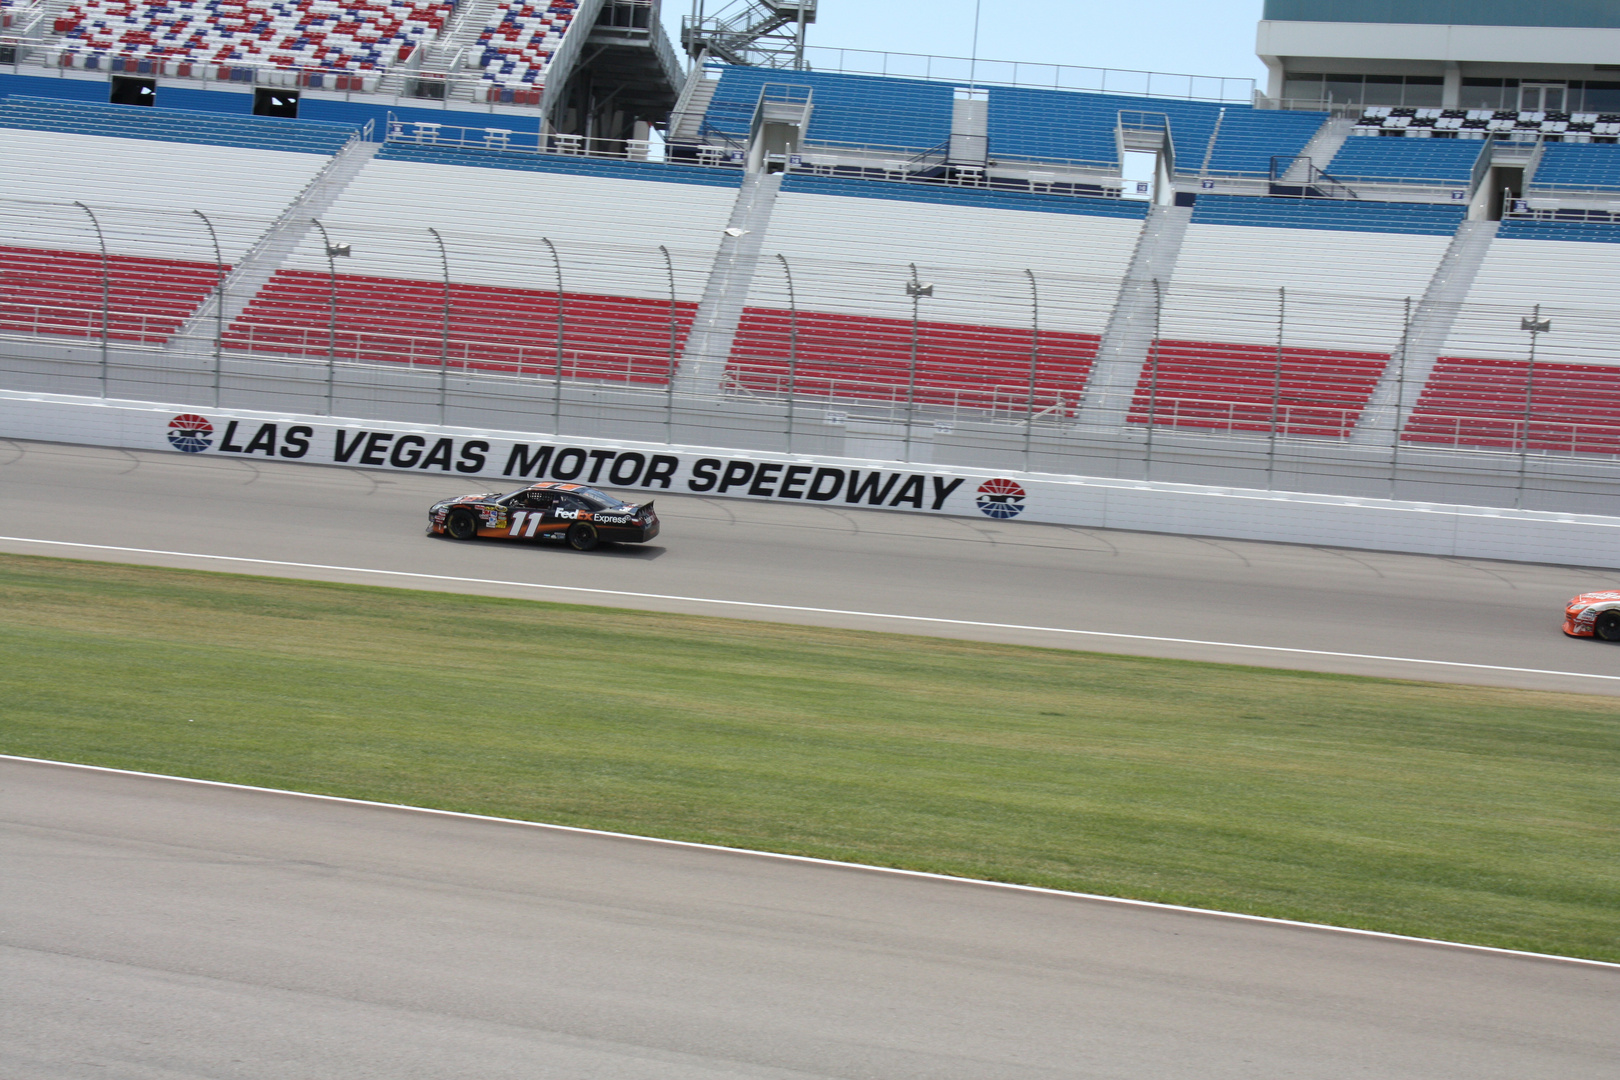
331	315
1400	401
1153	379
106	291
1034	362
444	325
674	328
219	303
793	347
1276	388
556	404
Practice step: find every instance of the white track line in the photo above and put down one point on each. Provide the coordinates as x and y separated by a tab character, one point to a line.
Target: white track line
813	610
1238	915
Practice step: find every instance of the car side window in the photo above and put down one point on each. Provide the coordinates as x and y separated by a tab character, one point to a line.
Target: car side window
573	502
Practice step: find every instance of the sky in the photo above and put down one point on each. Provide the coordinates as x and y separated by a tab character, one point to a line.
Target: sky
1194	37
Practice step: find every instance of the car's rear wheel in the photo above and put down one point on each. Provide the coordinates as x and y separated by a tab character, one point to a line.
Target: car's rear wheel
1607	627
582	537
461	524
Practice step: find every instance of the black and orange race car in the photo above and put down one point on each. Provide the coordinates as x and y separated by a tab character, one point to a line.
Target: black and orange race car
582	516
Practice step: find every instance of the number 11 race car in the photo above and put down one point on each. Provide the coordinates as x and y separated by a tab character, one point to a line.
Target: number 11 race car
581	516
1594	614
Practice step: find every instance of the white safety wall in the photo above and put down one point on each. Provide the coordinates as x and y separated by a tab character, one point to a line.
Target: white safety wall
1576	285
143	191
494	223
852	256
1377	524
1344	290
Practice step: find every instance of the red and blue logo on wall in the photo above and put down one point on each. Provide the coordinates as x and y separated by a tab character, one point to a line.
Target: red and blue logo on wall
1001	499
191	434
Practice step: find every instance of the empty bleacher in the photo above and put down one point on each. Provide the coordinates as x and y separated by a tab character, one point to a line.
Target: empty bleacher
1287	309
1568	273
516	47
850	244
1068	126
604	219
1435	161
355	35
142	190
1575	165
849	110
1505	405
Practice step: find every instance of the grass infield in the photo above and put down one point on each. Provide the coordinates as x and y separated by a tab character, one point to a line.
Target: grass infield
1480	815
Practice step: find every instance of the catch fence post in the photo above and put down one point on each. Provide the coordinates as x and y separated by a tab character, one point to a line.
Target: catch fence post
556	403
444	326
106	291
219	303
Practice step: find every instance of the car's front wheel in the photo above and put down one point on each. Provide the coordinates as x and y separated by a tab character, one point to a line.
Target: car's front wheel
461	524
1607	627
582	537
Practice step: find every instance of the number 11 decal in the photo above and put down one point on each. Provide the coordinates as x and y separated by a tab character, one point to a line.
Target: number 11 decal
519	519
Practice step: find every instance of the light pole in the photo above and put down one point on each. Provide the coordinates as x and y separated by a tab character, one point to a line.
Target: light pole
916	290
1034	361
444	322
793	346
556	401
219	302
332	252
1536	325
674	331
106	292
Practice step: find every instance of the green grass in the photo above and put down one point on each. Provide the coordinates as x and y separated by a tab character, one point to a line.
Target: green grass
1472	814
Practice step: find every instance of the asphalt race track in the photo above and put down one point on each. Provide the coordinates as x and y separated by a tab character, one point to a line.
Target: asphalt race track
158	930
1031	581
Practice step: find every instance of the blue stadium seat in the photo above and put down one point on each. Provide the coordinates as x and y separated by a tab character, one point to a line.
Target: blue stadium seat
1330	214
1591	232
173	125
1590	166
1069	126
849	110
1434	160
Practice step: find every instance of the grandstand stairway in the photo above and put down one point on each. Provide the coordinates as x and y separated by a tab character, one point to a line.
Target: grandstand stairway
1401	385
703	362
686	122
1320	150
254	272
1131	328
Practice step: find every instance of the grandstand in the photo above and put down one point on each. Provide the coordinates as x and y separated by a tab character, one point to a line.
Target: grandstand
909	246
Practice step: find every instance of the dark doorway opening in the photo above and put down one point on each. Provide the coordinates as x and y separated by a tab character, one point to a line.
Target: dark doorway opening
1504	186
131	91
275	103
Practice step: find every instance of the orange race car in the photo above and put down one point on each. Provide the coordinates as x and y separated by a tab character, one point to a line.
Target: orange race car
573	513
1594	614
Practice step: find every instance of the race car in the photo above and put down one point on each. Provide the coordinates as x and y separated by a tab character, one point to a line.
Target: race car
581	516
1594	614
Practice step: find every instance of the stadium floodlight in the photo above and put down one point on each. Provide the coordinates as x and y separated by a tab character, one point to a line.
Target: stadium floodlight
915	289
343	251
1535	325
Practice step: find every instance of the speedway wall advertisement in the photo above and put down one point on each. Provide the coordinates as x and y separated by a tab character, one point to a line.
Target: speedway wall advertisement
488	460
